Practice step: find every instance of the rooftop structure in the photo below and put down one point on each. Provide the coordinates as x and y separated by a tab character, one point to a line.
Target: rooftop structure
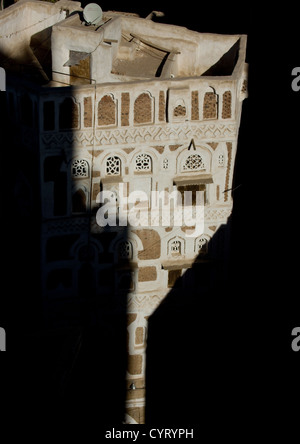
124	47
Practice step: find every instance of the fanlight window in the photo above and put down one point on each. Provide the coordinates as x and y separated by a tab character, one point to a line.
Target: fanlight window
80	168
175	247
221	160
165	164
194	162
143	162
125	250
113	166
202	245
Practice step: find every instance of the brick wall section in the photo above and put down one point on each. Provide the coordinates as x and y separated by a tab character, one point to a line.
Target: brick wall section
81	73
162	107
213	145
160	149
210	106
195	105
174	147
151	244
143	109
139	336
226	108
147	274
134	364
88	112
125	102
131	317
229	153
106	111
137	413
75	116
96	190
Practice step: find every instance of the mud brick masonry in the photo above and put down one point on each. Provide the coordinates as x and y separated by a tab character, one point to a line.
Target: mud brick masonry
148	105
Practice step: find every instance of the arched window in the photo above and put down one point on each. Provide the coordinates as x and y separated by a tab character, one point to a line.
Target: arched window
125	281
176	247
193	162
143	109
113	166
26	110
202	245
68	114
80	169
143	162
226	108
180	109
49	115
106	111
221	160
79	201
165	164
125	250
210	106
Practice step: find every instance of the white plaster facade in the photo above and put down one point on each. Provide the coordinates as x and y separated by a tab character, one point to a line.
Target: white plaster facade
93	136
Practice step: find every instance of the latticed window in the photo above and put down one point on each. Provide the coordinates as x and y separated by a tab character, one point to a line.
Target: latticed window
193	162
202	245
175	247
165	164
180	109
125	250
143	162
221	160
113	166
80	168
125	282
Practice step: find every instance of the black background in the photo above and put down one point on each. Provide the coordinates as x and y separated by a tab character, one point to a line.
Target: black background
248	378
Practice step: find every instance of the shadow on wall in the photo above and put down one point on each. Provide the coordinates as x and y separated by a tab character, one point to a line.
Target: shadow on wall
185	336
78	371
199	351
69	356
80	357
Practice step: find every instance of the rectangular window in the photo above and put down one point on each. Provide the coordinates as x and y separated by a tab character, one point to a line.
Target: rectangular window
193	189
49	122
173	276
79	63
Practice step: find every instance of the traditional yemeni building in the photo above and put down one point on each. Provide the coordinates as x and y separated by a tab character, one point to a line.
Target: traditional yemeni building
130	102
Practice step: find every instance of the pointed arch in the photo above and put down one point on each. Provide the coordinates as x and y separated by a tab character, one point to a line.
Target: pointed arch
202	244
79	201
107	111
143	108
68	114
176	246
210	104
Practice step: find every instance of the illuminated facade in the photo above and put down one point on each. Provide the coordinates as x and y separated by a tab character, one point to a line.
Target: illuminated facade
130	105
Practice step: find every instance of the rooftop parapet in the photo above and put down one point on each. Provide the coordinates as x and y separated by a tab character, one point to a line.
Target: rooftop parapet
54	41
